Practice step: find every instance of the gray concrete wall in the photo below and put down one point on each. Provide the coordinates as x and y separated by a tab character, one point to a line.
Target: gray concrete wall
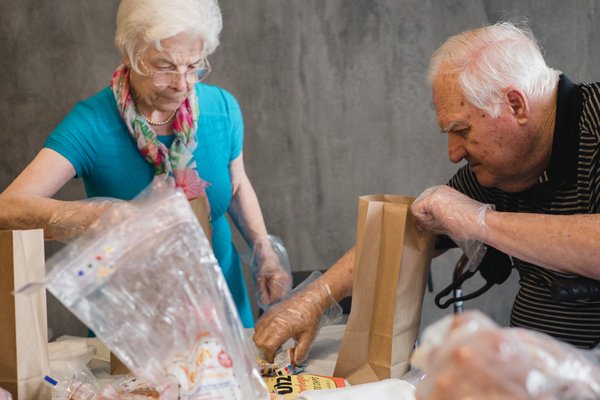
333	95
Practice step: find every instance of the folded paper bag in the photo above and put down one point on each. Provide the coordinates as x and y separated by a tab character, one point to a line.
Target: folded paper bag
387	389
390	272
24	333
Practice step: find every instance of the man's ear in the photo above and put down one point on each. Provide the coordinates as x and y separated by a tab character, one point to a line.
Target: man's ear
519	106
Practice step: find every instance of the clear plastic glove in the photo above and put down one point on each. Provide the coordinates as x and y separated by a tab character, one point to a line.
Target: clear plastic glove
469	356
298	317
271	269
444	210
71	222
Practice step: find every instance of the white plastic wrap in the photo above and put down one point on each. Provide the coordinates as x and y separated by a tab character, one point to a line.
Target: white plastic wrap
147	283
387	389
470	357
4	395
69	368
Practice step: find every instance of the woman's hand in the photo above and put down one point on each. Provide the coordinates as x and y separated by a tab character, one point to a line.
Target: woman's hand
273	282
76	217
271	269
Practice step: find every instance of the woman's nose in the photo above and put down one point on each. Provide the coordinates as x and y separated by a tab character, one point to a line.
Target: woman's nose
180	83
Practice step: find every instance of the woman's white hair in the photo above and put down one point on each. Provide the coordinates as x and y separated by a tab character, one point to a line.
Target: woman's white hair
491	59
141	23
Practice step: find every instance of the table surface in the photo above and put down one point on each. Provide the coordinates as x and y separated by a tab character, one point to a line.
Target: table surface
324	351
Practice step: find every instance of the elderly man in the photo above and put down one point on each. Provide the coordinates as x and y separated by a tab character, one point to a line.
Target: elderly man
531	139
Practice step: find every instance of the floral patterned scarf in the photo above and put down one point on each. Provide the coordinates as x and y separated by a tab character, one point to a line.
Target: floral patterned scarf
176	164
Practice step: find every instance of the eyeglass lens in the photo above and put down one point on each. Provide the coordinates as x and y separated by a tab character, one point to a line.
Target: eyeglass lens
168	77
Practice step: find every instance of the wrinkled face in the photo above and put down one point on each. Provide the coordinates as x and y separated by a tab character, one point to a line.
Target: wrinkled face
180	53
497	149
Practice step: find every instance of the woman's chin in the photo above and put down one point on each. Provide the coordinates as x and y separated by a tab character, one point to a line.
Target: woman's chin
169	105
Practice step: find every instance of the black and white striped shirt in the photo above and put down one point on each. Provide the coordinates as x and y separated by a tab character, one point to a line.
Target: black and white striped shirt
570	185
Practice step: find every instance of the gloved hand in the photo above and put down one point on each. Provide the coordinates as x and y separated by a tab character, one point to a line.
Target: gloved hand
469	356
75	217
271	270
444	210
297	317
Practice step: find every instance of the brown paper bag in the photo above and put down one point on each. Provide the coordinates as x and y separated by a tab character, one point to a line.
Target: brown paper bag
390	272
23	323
117	367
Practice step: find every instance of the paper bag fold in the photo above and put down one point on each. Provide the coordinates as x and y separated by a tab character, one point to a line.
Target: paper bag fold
23	320
390	272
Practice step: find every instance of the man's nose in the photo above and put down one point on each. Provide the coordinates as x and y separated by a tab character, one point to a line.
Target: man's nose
456	150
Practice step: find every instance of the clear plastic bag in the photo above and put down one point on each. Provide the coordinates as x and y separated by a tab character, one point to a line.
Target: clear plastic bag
70	376
4	395
469	356
146	281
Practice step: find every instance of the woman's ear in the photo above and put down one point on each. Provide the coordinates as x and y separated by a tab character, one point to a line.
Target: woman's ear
519	106
126	61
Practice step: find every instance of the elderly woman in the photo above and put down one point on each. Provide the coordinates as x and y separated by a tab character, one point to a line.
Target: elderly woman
154	121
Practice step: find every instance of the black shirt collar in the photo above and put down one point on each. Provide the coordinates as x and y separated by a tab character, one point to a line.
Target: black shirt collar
562	167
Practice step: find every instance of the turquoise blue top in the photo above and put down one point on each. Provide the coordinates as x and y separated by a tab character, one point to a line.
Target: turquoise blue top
94	138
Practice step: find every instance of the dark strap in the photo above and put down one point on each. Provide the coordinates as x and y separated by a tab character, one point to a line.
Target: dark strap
495	268
575	289
457	283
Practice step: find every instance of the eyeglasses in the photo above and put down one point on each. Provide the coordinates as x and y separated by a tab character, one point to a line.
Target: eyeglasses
166	78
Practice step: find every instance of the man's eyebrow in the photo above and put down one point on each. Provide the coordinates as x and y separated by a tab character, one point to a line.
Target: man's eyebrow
450	126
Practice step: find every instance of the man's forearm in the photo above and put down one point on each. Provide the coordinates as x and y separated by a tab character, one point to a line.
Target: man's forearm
339	277
565	243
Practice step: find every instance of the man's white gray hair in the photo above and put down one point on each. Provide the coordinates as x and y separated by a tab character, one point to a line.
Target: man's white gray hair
491	59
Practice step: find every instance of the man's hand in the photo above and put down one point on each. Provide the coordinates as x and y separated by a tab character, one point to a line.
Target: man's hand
297	317
443	210
471	357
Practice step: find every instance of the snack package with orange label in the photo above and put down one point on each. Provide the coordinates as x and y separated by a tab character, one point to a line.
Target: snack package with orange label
288	387
281	365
